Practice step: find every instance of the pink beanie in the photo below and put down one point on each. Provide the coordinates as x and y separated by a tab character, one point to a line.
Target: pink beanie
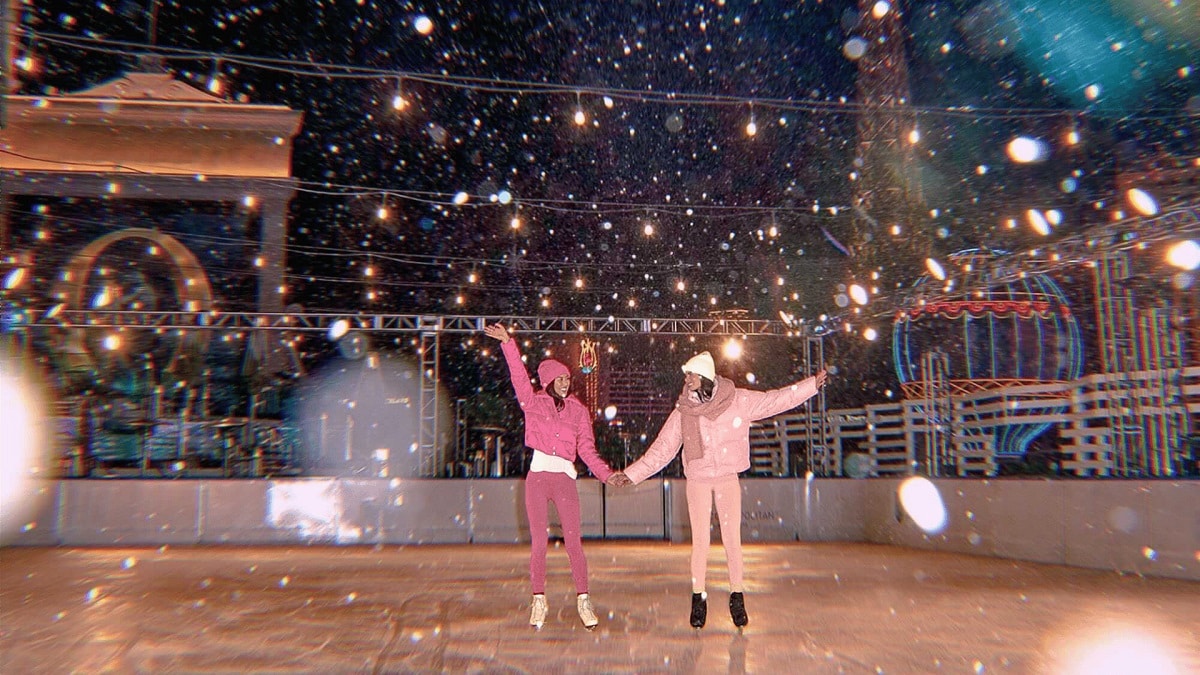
550	369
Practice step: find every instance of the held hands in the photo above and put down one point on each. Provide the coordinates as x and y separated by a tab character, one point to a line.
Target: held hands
618	479
497	331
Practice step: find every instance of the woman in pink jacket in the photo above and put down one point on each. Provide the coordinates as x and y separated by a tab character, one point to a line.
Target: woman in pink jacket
558	428
711	421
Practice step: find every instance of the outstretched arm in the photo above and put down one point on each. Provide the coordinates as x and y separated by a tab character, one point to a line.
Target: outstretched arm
585	447
764	404
516	367
661	451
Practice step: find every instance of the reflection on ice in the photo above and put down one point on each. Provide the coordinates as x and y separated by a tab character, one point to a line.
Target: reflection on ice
1118	649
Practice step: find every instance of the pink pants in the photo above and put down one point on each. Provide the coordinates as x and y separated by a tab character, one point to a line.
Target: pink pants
701	494
540	489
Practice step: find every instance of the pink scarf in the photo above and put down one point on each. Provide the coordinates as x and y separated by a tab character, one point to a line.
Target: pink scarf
691	409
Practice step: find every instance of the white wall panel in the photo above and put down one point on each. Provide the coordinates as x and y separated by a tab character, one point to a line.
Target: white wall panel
497	514
831	510
636	511
1144	527
129	512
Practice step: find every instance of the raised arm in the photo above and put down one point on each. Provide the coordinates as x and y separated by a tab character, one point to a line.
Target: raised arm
661	451
764	404
521	383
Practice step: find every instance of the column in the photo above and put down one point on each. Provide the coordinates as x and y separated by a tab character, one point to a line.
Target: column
272	249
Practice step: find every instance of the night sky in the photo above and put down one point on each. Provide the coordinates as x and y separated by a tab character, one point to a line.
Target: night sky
655	205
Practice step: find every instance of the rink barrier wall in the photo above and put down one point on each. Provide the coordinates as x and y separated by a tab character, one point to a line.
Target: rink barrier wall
1141	527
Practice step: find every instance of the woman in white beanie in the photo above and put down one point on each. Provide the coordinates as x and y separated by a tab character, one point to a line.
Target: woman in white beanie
711	422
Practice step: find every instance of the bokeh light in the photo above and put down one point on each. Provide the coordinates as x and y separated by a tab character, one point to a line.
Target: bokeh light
923	503
1184	255
732	349
1025	150
24	463
1142	201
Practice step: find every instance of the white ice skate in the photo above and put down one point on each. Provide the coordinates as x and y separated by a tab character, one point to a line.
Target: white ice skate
537	612
586	614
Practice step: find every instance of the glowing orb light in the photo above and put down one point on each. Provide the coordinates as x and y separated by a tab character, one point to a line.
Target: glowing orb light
1120	649
25	458
854	48
1024	150
1143	201
859	294
1184	255
935	269
338	329
920	499
732	349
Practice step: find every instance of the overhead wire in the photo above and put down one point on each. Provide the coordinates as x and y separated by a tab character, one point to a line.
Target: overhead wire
329	70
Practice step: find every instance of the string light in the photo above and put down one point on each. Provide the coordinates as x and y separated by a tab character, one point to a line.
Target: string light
1142	201
214	80
329	71
398	102
26	63
580	117
1038	222
751	127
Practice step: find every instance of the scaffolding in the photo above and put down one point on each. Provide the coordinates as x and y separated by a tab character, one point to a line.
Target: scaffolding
820	461
938	412
1142	358
429	329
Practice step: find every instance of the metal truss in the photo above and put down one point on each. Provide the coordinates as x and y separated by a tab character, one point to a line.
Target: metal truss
1085	248
405	323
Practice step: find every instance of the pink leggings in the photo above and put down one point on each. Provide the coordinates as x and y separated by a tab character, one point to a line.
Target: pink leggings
542	487
727	494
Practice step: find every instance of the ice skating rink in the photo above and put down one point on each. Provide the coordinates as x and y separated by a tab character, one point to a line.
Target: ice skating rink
814	608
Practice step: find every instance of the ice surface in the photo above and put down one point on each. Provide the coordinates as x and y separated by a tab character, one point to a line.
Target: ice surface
814	608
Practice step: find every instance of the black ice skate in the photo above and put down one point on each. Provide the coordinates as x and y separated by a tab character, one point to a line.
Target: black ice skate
699	609
737	610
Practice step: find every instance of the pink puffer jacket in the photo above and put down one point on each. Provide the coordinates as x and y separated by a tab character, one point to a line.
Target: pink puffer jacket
564	433
725	439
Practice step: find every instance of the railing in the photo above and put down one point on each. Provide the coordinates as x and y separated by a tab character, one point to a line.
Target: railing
890	435
1084	411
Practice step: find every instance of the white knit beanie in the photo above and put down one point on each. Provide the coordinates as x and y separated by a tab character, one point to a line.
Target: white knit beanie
702	364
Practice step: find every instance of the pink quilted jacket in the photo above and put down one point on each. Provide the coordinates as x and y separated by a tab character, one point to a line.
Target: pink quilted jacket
560	433
726	439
